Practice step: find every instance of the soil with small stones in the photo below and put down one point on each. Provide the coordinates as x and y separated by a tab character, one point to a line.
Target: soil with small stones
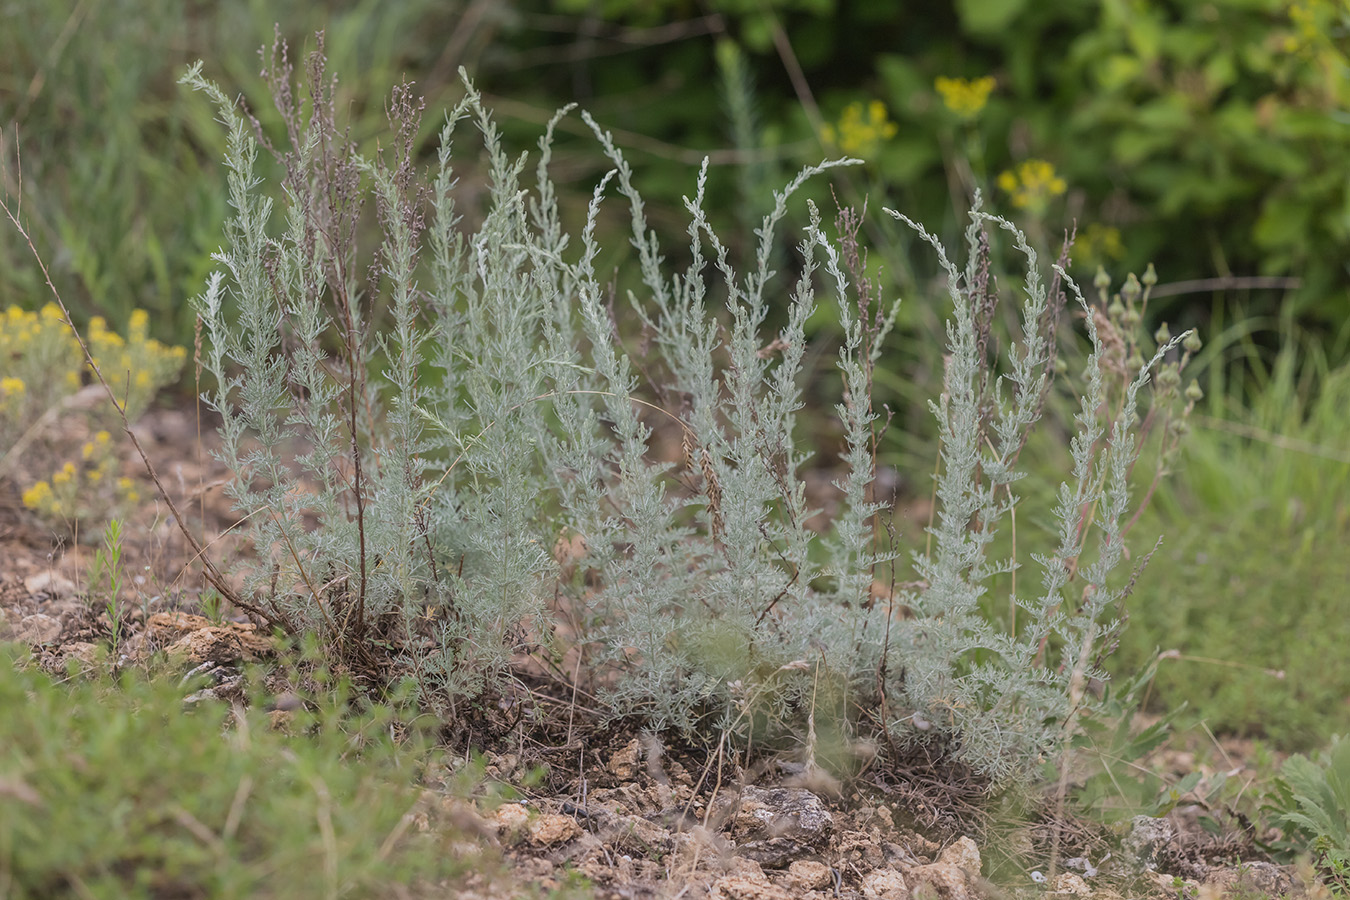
636	815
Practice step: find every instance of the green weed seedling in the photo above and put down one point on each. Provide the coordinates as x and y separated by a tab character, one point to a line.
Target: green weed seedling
106	575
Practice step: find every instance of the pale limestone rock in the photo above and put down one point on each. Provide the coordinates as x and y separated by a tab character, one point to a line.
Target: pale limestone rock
1070	885
511	819
745	887
49	583
809	875
945	881
964	854
550	829
885	884
746	868
38	629
624	763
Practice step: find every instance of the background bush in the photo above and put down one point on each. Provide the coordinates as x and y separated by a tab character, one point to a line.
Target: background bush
1207	138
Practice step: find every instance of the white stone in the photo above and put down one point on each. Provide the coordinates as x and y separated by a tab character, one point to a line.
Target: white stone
885	884
964	854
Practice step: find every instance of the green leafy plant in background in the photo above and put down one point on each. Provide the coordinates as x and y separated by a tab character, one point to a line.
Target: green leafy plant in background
505	421
1170	128
114	194
1162	126
1259	511
207	801
1312	800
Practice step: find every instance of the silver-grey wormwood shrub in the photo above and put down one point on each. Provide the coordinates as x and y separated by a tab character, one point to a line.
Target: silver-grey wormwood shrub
481	474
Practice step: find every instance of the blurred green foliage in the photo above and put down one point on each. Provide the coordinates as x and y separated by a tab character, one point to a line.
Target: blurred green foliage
119	787
1248	589
105	150
1214	136
1211	138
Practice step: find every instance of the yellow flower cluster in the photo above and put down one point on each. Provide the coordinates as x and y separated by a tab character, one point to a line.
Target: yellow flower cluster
11	393
43	364
1032	185
1098	244
41	361
860	131
135	367
38	497
82	490
965	97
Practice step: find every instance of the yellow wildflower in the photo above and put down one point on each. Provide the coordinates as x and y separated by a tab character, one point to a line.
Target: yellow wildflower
1032	185
65	475
103	437
859	132
37	495
1098	244
11	386
965	97
52	313
87	450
